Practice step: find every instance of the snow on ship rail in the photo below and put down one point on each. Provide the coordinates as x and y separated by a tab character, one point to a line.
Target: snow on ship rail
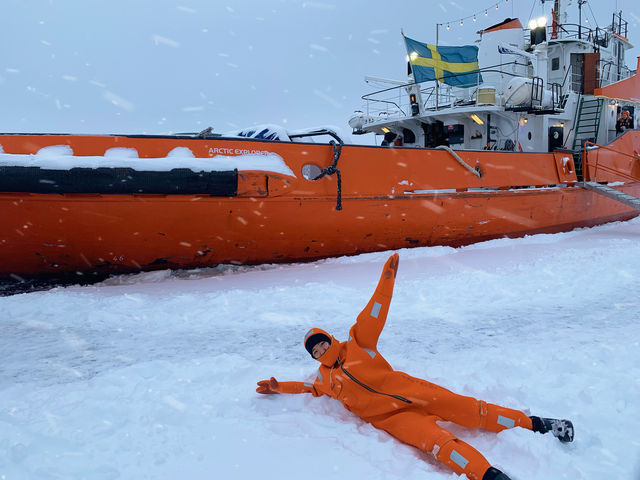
54	169
120	170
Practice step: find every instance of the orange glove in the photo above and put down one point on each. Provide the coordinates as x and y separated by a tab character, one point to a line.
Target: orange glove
268	386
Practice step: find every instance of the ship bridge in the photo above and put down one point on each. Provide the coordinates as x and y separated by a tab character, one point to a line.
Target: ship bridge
534	92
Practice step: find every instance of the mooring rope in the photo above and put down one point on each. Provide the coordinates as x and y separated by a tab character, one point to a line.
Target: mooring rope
331	169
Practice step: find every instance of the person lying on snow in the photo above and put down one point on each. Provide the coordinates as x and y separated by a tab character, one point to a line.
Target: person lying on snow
406	407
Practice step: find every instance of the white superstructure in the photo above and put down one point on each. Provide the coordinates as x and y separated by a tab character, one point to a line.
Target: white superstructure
536	94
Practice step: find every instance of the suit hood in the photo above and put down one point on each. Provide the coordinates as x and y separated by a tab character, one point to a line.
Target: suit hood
315	335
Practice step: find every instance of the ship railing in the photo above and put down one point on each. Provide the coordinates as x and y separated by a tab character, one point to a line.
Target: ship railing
577	31
590	146
572	31
572	82
618	25
396	101
610	72
576	83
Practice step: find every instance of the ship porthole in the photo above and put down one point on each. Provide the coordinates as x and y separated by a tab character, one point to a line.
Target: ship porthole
529	135
311	171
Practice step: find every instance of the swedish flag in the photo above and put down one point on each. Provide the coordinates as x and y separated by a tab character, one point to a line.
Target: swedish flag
456	66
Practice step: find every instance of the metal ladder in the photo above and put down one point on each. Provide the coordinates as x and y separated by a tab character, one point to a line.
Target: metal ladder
588	123
629	200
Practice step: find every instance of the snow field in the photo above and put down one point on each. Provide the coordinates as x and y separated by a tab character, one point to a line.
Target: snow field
153	375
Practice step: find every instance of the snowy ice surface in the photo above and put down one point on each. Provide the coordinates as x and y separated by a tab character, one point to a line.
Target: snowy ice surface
152	376
60	157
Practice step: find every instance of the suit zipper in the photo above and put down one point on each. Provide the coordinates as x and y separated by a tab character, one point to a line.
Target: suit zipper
397	397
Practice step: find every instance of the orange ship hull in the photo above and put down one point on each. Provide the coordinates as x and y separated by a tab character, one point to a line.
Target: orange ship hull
390	199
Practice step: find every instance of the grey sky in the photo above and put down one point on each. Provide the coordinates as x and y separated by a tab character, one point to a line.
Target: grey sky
174	66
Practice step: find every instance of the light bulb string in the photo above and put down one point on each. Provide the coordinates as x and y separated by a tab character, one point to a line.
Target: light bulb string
473	16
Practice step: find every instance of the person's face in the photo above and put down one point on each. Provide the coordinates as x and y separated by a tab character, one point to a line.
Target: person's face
319	348
625	114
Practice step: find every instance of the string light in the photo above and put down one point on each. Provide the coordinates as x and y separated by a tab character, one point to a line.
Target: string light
474	17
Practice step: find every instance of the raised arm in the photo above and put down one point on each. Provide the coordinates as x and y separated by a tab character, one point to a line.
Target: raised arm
273	386
370	322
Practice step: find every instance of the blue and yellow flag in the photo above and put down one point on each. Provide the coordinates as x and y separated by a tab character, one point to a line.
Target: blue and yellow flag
456	66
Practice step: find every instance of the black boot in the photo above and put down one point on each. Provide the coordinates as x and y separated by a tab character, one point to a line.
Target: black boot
494	474
561	429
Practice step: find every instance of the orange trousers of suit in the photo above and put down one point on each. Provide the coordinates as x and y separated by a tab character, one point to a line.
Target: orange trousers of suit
418	425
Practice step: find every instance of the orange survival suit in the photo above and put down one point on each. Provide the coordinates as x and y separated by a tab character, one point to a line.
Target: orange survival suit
406	407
